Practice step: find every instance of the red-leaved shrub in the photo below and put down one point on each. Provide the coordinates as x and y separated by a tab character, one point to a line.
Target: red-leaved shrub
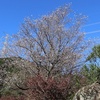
40	88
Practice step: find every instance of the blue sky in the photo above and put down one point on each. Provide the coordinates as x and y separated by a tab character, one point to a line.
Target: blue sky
13	12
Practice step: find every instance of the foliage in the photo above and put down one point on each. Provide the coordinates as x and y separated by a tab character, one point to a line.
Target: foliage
90	72
1	61
40	88
92	68
95	54
7	71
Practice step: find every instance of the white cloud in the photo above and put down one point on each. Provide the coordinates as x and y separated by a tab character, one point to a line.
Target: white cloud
91	24
97	31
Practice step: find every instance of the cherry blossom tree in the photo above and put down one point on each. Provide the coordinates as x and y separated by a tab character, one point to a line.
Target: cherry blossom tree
54	43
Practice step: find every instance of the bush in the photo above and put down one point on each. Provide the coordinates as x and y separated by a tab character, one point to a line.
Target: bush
40	88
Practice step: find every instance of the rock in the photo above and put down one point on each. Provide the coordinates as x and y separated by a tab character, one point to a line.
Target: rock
90	92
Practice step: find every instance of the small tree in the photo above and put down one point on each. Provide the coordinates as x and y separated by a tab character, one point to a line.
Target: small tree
92	69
